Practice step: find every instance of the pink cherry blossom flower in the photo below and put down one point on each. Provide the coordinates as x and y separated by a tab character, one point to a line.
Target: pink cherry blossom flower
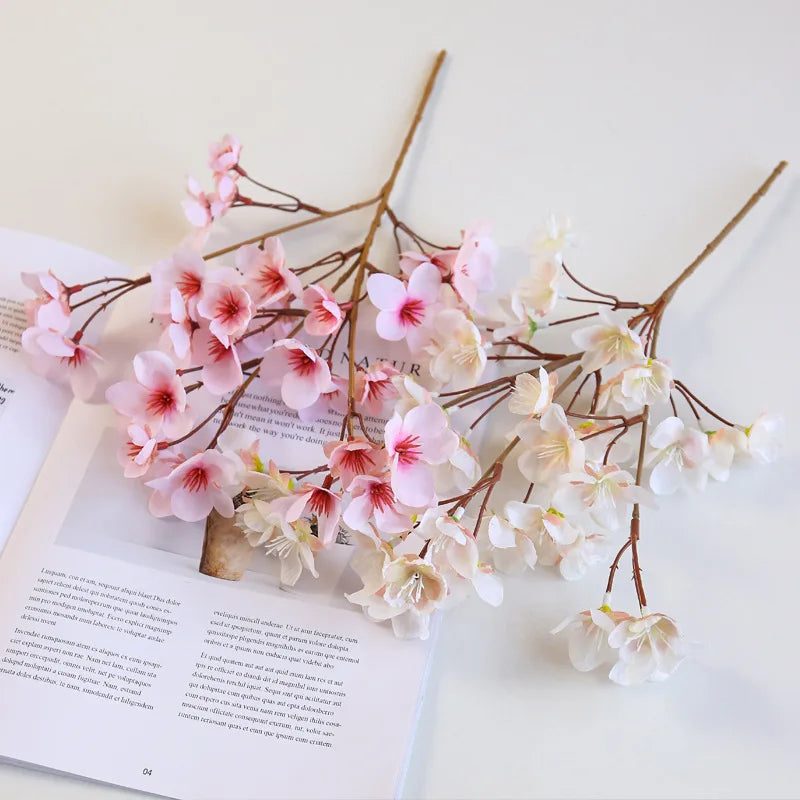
227	305
552	448
357	456
138	453
588	636
224	155
413	443
302	375
443	260
194	487
473	270
222	367
185	271
62	359
680	454
650	648
404	310
50	308
157	399
225	194
180	327
378	387
198	208
333	400
372	497
325	315
267	278
322	503
608	343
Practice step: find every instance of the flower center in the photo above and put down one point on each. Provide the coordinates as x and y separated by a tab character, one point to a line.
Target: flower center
408	450
381	496
321	502
228	307
188	284
160	402
196	480
271	281
301	363
411	312
358	461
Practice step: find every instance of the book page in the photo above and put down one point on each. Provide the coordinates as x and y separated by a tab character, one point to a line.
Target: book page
31	408
211	688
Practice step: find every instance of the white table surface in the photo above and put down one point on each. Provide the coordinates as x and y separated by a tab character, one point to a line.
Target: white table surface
650	123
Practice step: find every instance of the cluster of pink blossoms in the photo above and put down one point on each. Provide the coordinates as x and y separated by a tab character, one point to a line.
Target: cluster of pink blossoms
258	323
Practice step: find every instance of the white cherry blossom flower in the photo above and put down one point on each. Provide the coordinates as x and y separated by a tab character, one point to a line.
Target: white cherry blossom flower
588	645
643	384
294	545
604	490
608	343
551	447
584	552
405	589
459	354
461	471
531	397
536	294
258	521
453	550
680	454
765	437
555	236
723	445
410	394
650	648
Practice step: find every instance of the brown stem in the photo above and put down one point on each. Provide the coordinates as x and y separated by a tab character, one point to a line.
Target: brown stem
293	226
383	201
669	292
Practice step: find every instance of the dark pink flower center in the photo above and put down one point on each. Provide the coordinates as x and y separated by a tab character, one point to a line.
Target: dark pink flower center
321	502
133	450
271	281
357	461
196	479
301	363
77	358
412	312
227	307
408	450
381	496
376	389
188	284
216	349
160	402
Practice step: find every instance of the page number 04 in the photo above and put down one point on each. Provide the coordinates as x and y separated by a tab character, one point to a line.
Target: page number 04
147	771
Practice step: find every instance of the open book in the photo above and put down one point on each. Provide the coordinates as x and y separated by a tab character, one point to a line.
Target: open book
120	662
